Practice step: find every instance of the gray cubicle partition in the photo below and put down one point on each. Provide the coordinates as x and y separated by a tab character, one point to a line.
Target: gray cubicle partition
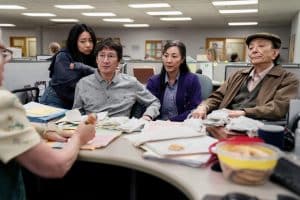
20	73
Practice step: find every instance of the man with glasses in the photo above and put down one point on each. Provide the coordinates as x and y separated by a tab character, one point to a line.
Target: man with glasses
20	144
107	90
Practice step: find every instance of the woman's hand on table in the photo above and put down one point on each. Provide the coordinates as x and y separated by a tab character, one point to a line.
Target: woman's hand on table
62	136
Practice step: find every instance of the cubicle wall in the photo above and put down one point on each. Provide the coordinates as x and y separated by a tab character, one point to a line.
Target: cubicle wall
21	73
293	68
215	71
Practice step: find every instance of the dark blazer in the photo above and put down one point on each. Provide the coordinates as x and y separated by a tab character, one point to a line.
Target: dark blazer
188	95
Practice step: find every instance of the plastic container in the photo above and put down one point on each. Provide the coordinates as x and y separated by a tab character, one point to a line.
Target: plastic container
247	163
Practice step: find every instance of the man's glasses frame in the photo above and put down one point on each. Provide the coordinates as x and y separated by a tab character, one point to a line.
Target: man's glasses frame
6	54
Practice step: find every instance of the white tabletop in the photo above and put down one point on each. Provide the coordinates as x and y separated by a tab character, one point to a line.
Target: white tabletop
195	183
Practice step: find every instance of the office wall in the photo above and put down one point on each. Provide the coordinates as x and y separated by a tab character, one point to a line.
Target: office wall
134	39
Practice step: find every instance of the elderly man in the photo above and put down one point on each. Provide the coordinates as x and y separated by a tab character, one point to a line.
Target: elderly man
107	90
262	91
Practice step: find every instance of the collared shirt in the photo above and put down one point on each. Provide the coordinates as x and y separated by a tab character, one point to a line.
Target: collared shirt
255	78
169	108
94	94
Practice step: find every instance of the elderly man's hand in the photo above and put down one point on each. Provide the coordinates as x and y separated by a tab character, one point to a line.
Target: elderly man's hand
147	118
200	112
235	113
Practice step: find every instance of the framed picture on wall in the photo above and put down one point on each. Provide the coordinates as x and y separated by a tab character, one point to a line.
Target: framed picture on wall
219	44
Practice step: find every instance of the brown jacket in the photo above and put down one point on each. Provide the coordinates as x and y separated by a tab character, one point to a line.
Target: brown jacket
278	87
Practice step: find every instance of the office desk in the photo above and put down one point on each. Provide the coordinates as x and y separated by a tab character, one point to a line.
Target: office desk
193	182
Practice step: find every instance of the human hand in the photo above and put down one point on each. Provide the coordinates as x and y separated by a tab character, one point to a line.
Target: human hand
200	112
57	137
147	118
72	65
86	130
235	113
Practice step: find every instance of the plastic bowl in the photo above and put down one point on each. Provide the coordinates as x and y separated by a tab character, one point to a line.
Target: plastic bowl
249	163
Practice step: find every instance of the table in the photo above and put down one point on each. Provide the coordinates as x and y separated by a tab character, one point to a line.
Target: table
195	183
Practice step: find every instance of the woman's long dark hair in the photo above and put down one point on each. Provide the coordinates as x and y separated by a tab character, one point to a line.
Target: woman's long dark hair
183	68
72	47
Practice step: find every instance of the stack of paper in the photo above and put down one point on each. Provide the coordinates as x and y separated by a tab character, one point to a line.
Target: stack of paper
37	112
173	142
197	160
185	146
193	152
156	131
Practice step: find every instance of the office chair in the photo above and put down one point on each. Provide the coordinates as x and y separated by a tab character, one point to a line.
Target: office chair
206	85
27	94
137	110
142	74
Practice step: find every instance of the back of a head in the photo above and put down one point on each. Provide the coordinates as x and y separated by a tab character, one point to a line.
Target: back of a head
213	53
234	57
54	47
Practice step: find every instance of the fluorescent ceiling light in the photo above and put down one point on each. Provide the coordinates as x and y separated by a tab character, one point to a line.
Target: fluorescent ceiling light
7	25
242	23
74	6
234	3
136	25
12	7
175	18
149	5
238	11
64	20
118	20
39	14
164	13
99	14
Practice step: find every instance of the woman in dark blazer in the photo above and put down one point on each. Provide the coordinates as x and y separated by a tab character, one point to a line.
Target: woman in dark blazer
178	89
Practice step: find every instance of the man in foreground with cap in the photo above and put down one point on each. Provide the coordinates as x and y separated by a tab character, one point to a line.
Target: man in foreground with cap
260	92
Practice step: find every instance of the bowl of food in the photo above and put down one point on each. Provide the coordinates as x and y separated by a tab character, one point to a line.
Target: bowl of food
247	163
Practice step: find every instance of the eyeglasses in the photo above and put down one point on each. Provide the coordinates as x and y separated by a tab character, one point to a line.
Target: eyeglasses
6	54
108	56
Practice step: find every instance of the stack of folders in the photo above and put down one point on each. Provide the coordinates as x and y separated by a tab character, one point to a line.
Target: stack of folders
173	142
37	112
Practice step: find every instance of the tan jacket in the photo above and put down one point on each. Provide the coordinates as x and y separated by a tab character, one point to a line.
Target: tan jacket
278	87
